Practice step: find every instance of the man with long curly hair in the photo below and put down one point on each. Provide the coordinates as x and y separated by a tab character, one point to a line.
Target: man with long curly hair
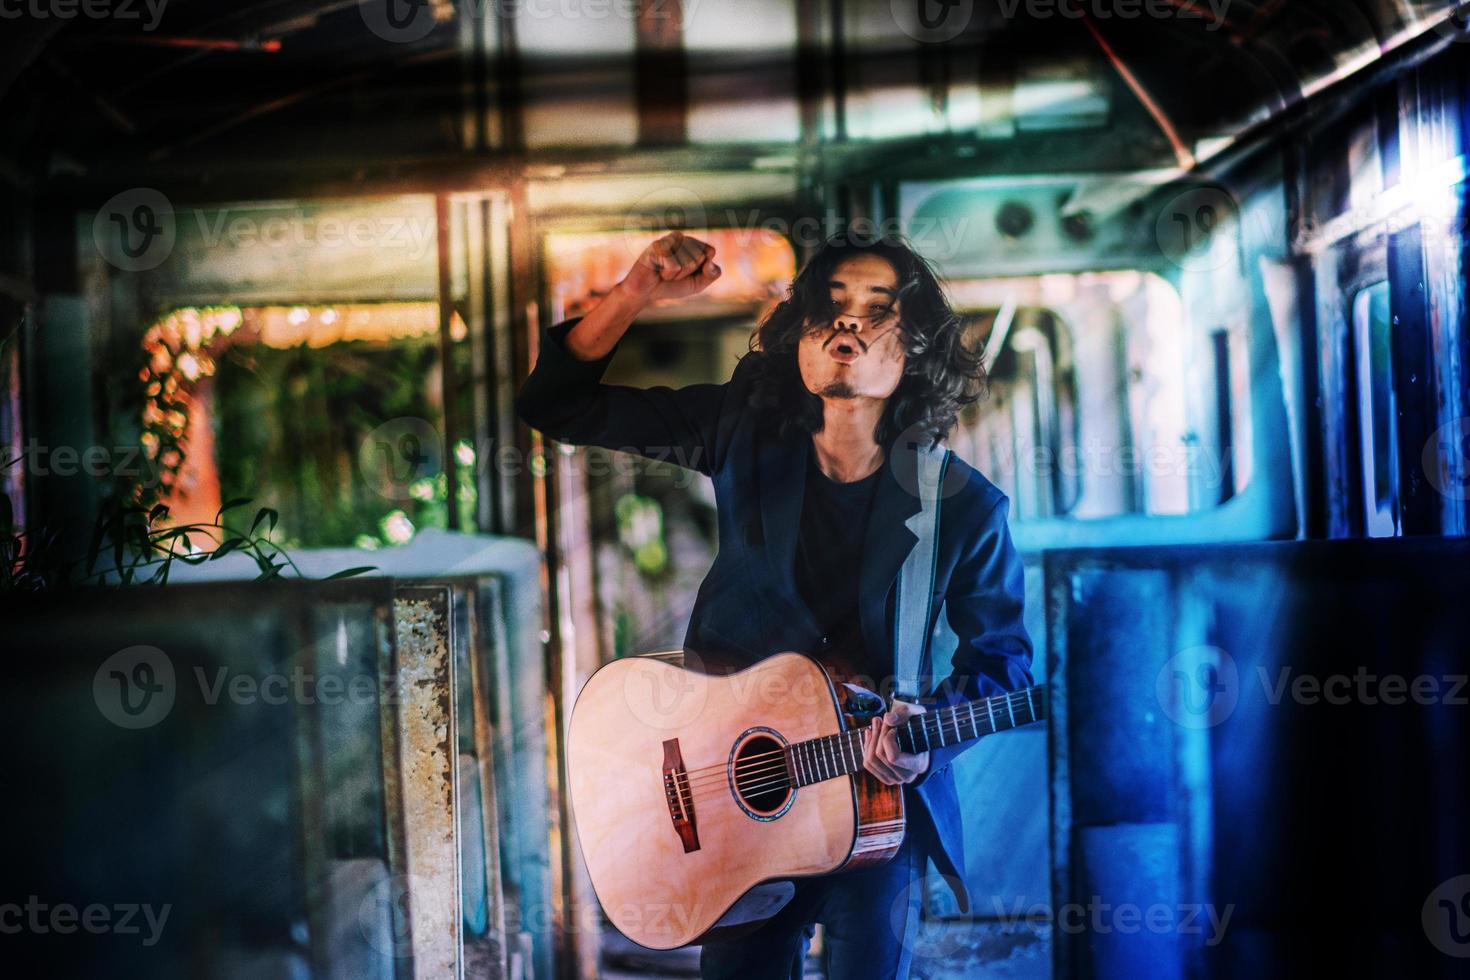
861	368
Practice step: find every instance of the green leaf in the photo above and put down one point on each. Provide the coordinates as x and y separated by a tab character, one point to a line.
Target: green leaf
158	512
224	549
267	514
230	505
349	572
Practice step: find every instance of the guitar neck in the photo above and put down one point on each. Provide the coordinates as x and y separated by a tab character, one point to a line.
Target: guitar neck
831	756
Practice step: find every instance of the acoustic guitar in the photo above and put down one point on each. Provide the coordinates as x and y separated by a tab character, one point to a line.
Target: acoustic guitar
698	796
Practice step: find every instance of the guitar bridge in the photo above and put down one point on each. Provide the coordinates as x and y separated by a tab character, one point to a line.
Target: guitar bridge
680	796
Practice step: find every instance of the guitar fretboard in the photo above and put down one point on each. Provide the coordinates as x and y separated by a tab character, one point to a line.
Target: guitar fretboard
831	756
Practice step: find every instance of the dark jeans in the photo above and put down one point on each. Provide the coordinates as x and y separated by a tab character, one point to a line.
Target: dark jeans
871	917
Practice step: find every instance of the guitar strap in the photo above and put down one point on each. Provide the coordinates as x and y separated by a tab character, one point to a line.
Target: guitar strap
912	624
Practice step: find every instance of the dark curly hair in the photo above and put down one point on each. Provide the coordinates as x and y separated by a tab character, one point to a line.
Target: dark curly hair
942	374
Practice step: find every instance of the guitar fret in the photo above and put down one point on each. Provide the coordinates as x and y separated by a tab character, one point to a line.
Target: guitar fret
828	756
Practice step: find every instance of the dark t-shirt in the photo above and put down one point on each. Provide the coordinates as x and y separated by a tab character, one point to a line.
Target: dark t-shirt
829	548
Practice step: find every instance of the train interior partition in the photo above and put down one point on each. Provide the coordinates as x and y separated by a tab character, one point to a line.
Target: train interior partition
1214	259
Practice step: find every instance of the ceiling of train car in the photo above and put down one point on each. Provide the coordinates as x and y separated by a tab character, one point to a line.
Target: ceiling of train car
191	87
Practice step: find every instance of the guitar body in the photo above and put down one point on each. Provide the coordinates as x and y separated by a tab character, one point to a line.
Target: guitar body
687	822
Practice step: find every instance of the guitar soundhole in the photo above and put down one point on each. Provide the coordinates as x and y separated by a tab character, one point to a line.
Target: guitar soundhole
759	775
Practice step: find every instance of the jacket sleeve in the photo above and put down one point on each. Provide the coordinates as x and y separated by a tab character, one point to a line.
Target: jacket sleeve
984	603
565	398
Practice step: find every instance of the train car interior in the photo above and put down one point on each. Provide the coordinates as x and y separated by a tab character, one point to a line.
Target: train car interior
298	607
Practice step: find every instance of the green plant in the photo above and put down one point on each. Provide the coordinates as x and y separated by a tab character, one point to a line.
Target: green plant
129	546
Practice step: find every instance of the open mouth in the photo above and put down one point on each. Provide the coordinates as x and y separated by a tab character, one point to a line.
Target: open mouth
845	348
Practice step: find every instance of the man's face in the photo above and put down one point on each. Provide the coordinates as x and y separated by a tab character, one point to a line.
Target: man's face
859	351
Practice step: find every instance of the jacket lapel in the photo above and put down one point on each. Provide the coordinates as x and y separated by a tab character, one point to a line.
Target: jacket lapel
887	543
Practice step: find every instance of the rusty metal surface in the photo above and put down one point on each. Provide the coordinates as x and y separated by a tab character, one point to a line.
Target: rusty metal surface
429	775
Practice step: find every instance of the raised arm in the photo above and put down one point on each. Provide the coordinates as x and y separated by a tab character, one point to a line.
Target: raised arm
565	398
673	267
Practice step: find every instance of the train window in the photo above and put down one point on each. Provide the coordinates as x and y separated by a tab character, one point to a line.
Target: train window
1372	326
1101	403
334	415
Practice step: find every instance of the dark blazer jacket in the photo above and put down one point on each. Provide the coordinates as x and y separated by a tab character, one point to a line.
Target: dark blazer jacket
748	606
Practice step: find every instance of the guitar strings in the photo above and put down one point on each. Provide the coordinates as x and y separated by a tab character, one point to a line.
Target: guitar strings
1011	699
941	724
752	767
761	765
